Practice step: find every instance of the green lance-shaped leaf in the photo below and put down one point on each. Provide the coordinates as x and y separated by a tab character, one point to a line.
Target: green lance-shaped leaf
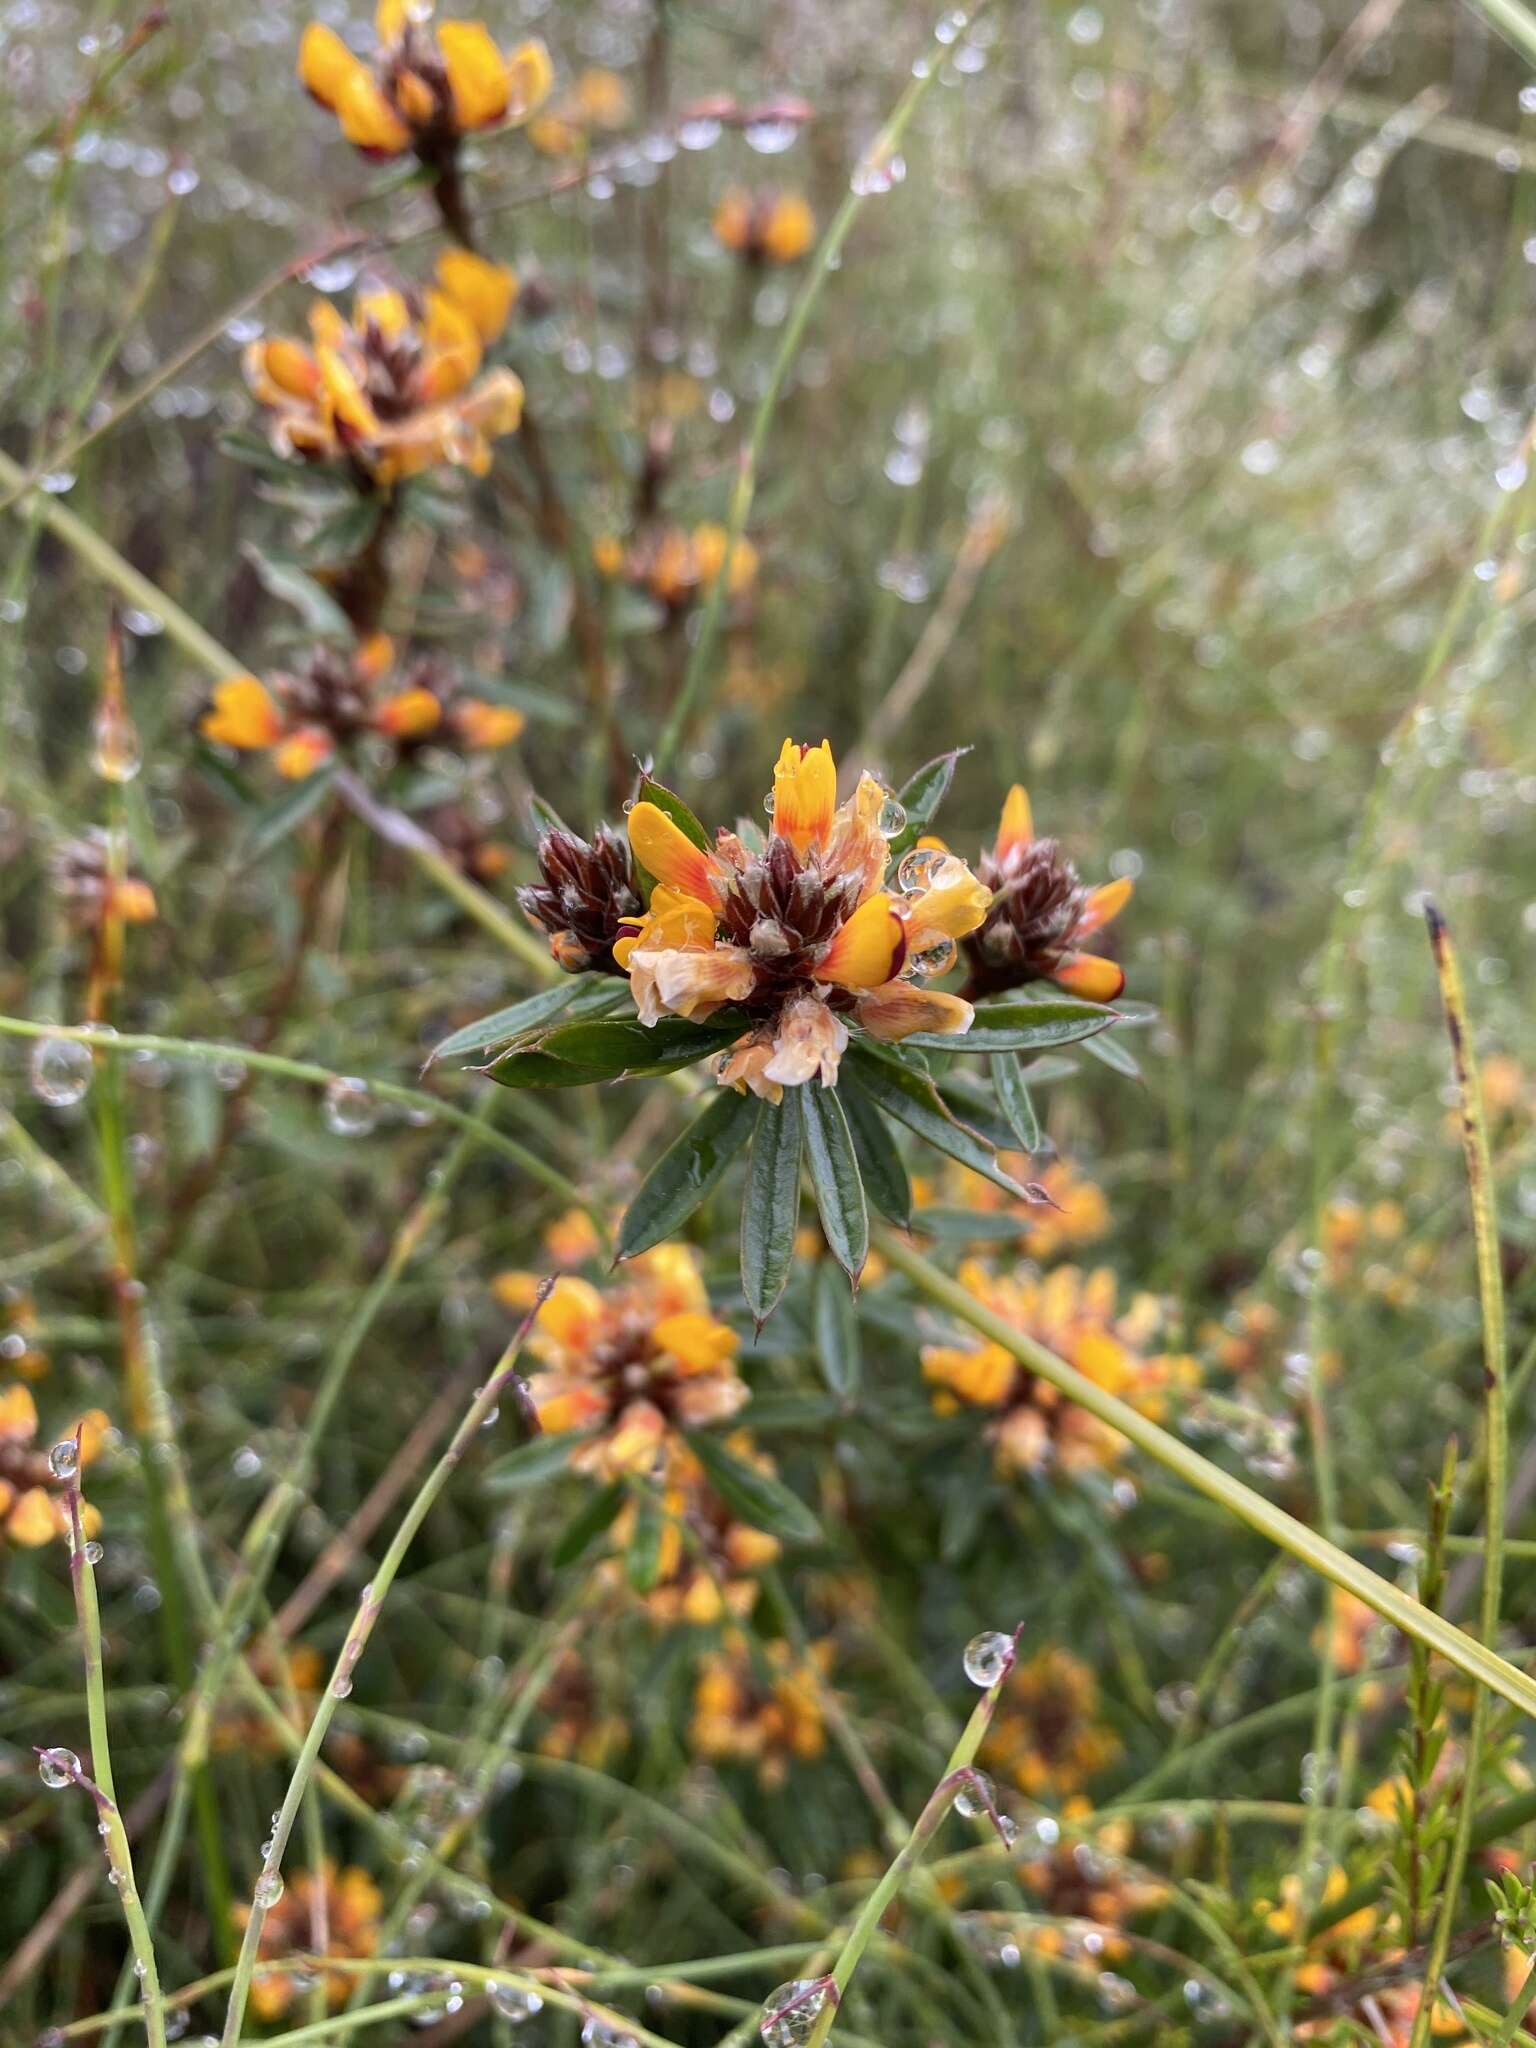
534	1462
920	796
610	1049
657	793
835	1179
1116	1057
642	1561
585	994
597	1513
912	1099
272	823
837	1332
686	1172
770	1207
1015	1101
291	585
1020	1027
758	1497
885	1177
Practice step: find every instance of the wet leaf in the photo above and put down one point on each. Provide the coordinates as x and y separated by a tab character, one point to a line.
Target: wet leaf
595	1514
912	1099
1013	1098
835	1178
687	1171
541	1458
1020	1027
837	1333
885	1177
758	1497
770	1207
920	796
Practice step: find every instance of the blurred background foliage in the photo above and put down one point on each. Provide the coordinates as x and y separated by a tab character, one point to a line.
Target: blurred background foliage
1199	337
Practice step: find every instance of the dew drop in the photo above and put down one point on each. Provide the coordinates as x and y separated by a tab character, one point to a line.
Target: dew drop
341	1686
789	2015
987	1657
892	819
876	174
350	1110
702	131
512	2002
58	1768
64	1458
60	1071
975	1796
269	1888
932	953
116	754
770	135
916	873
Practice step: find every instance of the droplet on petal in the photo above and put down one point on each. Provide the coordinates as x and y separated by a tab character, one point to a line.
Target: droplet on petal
892	819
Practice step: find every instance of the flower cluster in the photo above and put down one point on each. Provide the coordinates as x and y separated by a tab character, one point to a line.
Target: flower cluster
758	1703
1040	916
707	1560
427	87
799	933
346	1904
395	389
1032	1428
630	1366
597	102
677	565
1047	1738
33	1511
95	884
587	890
304	716
764	227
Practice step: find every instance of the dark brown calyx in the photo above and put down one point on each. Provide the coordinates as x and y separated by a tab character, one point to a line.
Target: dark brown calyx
586	894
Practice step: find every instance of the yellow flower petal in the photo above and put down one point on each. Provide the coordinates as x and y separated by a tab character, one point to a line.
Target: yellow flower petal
243	715
1017	827
367	119
804	795
303	752
18	1415
954	902
34	1519
392	17
453	346
530	75
485	291
898	1008
478	76
665	851
1088	976
409	714
487	725
788	229
1105	902
326	65
696	1341
868	949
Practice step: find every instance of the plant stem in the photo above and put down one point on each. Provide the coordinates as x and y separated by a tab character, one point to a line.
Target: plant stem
1469	1656
114	1835
862	1932
209	1049
502	1381
1490	1288
1517	2012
